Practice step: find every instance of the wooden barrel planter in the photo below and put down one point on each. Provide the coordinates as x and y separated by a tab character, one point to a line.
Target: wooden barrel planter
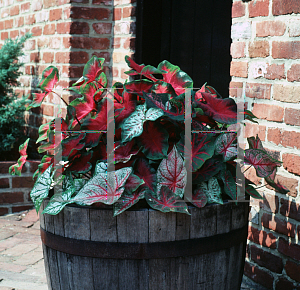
88	248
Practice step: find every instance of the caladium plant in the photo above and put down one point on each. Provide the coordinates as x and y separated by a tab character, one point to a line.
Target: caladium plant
150	166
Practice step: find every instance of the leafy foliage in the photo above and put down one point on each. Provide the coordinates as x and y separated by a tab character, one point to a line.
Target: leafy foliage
12	108
151	161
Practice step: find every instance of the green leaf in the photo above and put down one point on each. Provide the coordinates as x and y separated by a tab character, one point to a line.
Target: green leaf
229	184
41	188
253	192
249	116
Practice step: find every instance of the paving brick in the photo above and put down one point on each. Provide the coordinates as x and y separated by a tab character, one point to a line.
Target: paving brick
29	258
12	267
6	233
19	250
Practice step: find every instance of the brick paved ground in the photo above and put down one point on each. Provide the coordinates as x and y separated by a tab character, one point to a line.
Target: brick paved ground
21	257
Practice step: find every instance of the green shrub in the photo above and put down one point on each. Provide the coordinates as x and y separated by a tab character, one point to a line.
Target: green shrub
12	108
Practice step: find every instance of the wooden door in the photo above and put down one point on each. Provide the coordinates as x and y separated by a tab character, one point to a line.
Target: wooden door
193	34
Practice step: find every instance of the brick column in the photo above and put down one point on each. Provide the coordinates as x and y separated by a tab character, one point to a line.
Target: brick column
266	64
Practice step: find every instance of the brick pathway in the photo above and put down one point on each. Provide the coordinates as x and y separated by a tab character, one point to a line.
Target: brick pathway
21	256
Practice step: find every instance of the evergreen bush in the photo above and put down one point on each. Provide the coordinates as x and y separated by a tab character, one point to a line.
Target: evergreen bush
12	108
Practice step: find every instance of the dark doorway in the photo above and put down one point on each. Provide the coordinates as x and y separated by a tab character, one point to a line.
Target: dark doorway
193	34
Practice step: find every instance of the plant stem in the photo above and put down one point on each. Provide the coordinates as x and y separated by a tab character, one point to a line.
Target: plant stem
67	105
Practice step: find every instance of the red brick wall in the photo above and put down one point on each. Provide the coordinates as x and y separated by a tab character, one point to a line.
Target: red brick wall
266	64
66	34
15	190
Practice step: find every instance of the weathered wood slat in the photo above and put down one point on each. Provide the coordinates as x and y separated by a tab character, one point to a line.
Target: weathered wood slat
51	261
216	270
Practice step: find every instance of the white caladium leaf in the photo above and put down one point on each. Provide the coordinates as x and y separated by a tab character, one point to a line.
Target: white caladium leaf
79	183
41	188
128	199
133	125
212	190
166	202
104	187
154	113
226	145
101	167
172	173
59	200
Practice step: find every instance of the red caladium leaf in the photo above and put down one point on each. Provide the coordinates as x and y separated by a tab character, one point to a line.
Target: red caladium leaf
49	78
46	161
166	201
179	80
144	171
277	186
262	162
97	123
43	132
133	182
17	168
172	173
123	153
209	90
37	100
199	198
118	92
128	105
104	187
255	143
92	69
127	200
221	110
202	149
138	87
139	68
84	105
161	101
80	163
161	87
155	148
210	168
50	145
71	144
229	184
226	145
